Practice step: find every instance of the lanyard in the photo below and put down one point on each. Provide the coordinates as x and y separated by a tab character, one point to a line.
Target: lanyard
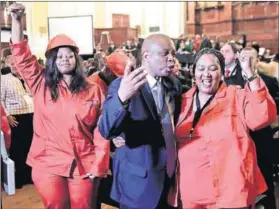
199	111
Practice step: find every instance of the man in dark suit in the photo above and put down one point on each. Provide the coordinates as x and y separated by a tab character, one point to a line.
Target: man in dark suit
233	73
262	138
206	43
142	107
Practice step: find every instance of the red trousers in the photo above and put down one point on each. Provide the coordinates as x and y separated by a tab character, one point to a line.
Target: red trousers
58	192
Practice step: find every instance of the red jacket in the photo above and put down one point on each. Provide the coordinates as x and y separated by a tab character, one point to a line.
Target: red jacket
65	130
95	78
5	127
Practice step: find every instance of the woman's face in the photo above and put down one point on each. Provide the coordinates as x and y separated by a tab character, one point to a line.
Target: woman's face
208	74
65	60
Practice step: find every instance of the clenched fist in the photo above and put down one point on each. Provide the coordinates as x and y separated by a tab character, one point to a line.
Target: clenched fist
16	11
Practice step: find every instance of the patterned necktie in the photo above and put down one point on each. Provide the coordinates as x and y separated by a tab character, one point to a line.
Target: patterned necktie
167	127
168	134
158	95
227	73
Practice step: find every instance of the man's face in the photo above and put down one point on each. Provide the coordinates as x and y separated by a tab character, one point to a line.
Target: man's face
9	62
228	54
161	58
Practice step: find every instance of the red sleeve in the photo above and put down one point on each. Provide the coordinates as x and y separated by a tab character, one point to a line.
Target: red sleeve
258	106
27	65
5	128
102	146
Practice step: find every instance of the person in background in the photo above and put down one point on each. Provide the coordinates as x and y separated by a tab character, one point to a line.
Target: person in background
217	45
96	64
271	68
183	75
217	158
68	155
114	68
197	43
233	72
18	103
205	42
182	48
179	40
111	48
189	45
91	67
256	46
85	67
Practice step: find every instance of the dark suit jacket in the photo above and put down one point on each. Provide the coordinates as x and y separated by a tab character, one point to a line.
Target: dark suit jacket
205	44
139	167
237	78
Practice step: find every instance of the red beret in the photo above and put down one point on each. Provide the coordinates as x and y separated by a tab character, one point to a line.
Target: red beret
117	62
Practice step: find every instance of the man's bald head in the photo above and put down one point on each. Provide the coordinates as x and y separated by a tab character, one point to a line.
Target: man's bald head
154	40
158	55
9	61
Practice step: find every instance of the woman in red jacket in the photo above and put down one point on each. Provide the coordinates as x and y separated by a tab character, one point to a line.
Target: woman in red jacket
67	154
217	158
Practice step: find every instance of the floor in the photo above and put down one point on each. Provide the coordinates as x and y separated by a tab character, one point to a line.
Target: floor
27	198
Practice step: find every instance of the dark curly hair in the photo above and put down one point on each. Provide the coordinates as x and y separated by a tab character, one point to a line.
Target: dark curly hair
53	76
216	53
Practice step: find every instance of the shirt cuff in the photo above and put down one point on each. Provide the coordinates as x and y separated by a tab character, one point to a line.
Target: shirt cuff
124	104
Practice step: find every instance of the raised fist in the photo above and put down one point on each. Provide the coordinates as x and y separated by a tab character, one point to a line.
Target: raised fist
16	10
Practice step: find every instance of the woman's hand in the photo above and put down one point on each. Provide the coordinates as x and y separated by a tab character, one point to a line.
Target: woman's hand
16	11
248	62
12	121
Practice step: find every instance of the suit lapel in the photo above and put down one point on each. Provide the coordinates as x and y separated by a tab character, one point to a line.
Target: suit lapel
148	97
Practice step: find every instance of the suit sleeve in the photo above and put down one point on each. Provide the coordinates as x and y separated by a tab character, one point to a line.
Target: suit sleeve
258	107
113	115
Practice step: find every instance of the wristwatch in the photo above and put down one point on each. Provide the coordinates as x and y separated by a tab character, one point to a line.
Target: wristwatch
91	176
253	77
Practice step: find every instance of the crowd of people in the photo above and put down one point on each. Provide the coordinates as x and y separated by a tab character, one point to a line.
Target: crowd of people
181	135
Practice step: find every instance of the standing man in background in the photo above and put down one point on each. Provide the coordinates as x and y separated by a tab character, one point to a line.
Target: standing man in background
18	103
